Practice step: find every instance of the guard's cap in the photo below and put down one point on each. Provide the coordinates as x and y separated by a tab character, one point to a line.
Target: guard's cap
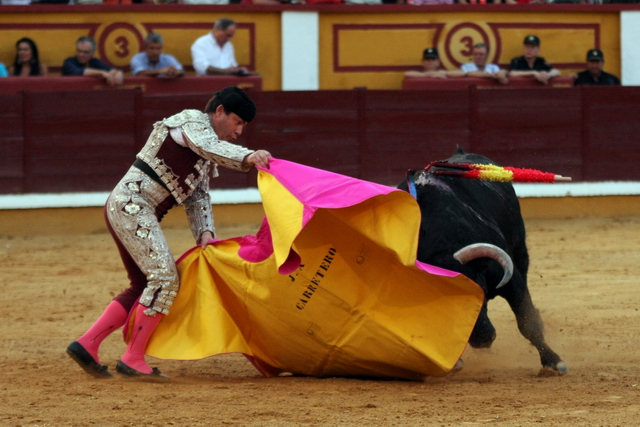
431	52
595	55
531	39
235	100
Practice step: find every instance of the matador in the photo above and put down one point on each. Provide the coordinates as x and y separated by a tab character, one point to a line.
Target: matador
173	168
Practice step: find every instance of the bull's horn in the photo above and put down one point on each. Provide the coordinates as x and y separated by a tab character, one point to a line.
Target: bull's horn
486	250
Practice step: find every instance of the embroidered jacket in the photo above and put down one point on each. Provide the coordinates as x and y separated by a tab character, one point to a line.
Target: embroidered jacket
185	170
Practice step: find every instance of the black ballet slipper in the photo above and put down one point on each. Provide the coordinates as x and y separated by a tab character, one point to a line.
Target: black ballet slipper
82	357
127	371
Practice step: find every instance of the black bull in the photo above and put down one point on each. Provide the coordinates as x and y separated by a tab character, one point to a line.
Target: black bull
457	212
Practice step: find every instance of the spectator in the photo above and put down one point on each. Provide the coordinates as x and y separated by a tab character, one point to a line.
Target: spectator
431	67
152	62
27	62
84	64
213	53
428	2
532	65
480	68
594	75
203	1
3	70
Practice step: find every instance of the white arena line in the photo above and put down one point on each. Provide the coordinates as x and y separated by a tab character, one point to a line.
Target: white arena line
252	195
578	189
82	200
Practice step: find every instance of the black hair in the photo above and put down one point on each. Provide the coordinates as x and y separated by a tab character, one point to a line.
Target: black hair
34	62
233	100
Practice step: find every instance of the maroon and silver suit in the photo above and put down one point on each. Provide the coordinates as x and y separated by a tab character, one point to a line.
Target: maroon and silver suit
172	168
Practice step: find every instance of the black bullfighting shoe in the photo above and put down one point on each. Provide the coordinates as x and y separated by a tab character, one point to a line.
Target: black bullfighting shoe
128	371
86	361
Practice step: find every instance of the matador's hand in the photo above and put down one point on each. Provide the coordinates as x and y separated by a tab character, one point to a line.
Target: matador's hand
204	239
258	158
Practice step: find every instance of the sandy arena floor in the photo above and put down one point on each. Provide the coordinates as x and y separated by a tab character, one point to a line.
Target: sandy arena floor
584	279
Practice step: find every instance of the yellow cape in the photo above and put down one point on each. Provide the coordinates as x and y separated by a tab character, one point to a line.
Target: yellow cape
352	301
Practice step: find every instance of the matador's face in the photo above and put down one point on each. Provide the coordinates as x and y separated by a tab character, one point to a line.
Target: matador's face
228	127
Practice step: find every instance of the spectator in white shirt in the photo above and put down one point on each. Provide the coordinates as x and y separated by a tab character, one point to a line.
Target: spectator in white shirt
480	68
213	53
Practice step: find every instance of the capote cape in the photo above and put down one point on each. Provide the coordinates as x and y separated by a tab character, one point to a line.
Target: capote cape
329	286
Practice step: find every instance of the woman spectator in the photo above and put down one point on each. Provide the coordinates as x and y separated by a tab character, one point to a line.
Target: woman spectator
27	62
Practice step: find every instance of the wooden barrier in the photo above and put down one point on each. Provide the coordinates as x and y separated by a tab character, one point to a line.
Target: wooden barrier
466	82
186	84
86	140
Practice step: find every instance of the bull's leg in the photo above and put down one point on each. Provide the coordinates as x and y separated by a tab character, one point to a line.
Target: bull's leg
530	324
483	333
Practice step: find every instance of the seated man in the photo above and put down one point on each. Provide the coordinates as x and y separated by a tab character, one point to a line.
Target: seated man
480	68
213	53
594	75
84	64
431	65
152	62
532	65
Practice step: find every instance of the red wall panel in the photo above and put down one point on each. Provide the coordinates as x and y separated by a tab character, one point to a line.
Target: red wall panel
11	144
78	141
86	140
612	132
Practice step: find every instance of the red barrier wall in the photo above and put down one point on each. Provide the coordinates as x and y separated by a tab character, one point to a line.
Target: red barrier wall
85	141
186	84
466	82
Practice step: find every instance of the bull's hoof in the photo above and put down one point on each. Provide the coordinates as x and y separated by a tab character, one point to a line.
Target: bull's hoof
554	371
458	366
483	345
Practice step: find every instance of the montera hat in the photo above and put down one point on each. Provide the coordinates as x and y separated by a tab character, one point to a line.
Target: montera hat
531	39
235	100
431	52
595	55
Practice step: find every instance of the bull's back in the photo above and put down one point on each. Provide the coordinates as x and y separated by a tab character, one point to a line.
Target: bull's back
459	211
498	200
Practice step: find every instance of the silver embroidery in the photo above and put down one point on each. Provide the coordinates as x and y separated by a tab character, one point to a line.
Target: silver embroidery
131	213
198	210
131	208
201	138
133	187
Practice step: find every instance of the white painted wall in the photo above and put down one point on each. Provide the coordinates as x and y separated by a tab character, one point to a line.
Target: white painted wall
629	52
300	51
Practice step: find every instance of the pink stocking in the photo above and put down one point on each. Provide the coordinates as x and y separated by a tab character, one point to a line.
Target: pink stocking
111	320
143	327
